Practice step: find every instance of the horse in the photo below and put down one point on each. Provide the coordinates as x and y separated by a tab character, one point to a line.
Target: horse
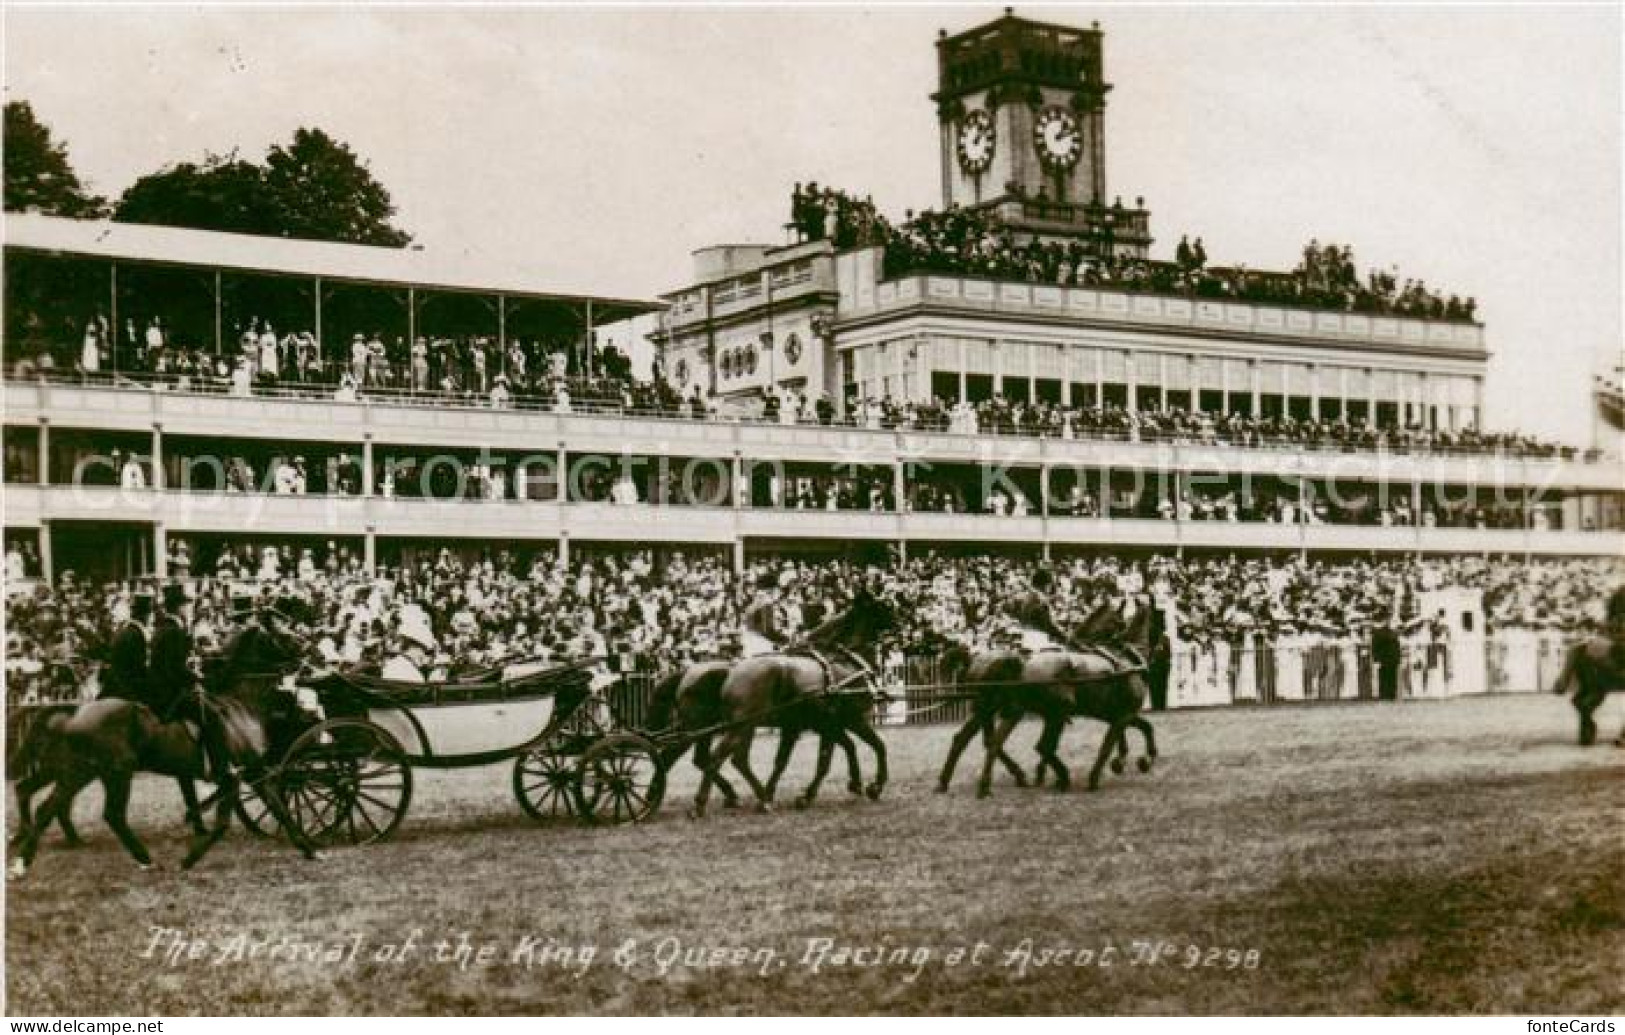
806	687
1055	685
689	699
1594	669
37	753
253	720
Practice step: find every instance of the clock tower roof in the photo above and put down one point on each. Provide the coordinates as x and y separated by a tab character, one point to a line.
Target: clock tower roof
1012	50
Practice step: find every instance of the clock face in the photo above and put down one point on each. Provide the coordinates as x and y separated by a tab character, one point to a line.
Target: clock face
1057	137
976	142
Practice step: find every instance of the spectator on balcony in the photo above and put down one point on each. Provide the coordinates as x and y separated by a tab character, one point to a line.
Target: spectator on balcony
420	365
501	399
284	478
131	473
90	353
377	375
270	362
360	355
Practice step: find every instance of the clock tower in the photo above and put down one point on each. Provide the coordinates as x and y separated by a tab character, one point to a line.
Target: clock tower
1021	107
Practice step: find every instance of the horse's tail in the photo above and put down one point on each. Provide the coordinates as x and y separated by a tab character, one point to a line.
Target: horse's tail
29	733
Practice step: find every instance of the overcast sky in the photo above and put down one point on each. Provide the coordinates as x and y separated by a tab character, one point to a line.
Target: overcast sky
1475	147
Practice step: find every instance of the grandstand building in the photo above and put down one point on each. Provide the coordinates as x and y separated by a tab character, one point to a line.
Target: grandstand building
113	464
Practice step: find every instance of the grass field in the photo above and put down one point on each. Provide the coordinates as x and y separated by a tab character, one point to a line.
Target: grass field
1430	857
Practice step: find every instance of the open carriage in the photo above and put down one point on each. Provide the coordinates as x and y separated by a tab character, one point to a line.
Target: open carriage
348	779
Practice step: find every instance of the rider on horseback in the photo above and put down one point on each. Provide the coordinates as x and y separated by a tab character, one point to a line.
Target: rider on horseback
127	673
1031	609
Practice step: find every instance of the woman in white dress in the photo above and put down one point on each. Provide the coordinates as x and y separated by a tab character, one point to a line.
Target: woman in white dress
90	354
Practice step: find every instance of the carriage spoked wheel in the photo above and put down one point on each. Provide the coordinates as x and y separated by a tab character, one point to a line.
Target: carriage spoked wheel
547	782
255	814
621	779
346	782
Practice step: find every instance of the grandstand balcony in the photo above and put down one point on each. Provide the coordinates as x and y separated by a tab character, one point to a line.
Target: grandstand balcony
261	515
866	297
290	417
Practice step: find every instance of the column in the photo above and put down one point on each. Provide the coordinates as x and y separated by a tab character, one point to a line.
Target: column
739	555
998	366
563	495
321	343
369	550
1132	377
1371	398
1066	375
158	476
411	316
1314	390
741	489
1256	377
219	339
368	481
160	550
1100	376
112	292
44	451
564	548
46	567
962	371
899	486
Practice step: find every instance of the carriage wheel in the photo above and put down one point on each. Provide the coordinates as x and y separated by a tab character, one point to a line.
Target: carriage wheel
346	782
622	780
255	814
547	783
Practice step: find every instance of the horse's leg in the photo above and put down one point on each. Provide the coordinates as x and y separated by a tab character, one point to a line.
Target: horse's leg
1001	733
66	787
826	750
1049	755
1586	704
739	755
788	736
866	733
1114	733
702	762
194	817
854	772
710	770
1010	764
115	809
961	740
1139	722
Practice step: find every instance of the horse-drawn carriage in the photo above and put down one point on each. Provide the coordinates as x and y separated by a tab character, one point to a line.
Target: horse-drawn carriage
348	778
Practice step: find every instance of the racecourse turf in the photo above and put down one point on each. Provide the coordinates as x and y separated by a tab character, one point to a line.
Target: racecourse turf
1425	857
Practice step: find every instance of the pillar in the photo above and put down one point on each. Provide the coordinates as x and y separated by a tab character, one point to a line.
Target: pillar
219	337
963	373
160	550
1314	390
44	451
1066	375
998	366
564	548
321	343
739	555
369	550
1256	377
1371	398
1132	375
741	489
368	482
564	476
47	569
899	487
158	479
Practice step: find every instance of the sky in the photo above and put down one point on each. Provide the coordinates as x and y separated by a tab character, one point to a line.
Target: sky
1475	147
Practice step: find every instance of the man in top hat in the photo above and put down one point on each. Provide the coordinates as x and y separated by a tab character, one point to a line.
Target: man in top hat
170	667
1030	608
126	675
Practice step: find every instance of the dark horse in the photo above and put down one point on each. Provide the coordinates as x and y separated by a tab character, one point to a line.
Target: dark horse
687	708
254	720
822	685
1595	669
1055	685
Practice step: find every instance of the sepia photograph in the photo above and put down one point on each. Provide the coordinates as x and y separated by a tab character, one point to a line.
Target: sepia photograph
1108	510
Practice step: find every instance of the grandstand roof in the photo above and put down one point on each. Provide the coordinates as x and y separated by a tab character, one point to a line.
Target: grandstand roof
400	267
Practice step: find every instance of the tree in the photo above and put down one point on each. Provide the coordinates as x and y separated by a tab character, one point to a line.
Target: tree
38	175
322	190
224	193
316	189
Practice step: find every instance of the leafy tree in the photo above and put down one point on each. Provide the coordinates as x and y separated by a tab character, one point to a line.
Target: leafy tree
224	193
38	176
316	188
321	190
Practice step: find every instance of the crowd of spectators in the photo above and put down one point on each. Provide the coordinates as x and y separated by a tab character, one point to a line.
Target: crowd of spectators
651	612
973	242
